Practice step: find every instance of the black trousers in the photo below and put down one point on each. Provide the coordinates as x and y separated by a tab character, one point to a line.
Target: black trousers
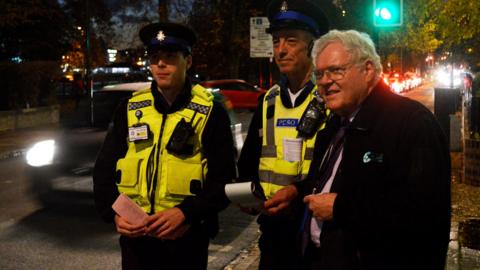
279	244
188	252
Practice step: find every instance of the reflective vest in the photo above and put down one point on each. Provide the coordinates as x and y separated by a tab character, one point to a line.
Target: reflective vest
277	170
151	176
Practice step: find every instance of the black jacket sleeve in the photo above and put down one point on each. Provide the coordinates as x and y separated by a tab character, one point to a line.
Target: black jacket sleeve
249	159
104	179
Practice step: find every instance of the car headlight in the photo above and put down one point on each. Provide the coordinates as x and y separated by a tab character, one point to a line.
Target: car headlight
41	153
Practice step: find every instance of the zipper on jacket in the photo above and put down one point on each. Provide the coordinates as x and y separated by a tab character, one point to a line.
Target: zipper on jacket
157	161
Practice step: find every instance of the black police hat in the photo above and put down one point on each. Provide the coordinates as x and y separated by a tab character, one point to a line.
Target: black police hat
167	36
297	14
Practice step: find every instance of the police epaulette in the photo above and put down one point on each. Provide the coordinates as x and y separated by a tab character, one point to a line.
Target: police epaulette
273	92
139	104
198	108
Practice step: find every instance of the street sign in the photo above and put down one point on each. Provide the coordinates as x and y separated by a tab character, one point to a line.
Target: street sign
260	41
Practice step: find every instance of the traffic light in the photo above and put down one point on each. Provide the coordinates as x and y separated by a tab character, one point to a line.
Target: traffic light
387	13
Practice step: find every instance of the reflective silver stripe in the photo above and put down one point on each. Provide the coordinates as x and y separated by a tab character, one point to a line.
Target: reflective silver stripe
308	153
270	124
269	151
279	179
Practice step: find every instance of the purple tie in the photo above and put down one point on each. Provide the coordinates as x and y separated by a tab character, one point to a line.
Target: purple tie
325	172
331	156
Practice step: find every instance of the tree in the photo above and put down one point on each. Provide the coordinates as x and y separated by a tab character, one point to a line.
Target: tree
223	36
429	26
33	30
457	20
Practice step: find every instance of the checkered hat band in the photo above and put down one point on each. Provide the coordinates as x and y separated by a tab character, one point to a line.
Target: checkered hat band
140	104
198	108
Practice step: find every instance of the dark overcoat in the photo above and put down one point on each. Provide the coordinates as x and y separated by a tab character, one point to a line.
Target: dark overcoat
392	210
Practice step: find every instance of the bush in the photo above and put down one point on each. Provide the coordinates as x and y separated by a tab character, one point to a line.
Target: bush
28	84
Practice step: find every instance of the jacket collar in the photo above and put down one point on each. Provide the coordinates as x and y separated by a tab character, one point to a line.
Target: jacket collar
285	96
182	100
370	109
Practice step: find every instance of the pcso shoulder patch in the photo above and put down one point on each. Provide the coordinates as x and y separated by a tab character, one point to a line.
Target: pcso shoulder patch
287	122
198	107
139	104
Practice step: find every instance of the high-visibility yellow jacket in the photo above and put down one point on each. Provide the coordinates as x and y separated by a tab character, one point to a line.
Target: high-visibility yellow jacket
275	169
154	178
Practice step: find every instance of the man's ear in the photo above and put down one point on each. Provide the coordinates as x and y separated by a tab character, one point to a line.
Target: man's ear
310	48
370	70
189	60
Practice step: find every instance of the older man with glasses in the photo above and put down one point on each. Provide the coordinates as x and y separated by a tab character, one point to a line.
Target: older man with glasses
382	184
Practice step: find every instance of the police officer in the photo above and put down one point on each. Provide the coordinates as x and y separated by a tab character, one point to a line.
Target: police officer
279	145
170	149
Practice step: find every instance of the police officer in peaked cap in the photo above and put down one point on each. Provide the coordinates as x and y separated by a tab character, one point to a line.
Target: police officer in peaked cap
170	150
294	25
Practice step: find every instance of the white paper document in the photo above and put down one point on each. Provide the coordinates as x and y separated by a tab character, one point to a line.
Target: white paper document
245	194
292	149
129	210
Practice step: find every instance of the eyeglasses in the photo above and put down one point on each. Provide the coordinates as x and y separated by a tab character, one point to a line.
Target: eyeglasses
332	73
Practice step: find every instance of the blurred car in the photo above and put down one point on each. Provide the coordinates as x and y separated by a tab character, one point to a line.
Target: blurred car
241	94
396	84
66	160
102	76
412	80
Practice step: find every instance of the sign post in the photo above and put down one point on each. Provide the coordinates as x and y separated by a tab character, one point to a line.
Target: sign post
260	41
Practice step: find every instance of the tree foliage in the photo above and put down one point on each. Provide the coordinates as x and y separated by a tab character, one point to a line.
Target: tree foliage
428	25
457	20
33	30
223	29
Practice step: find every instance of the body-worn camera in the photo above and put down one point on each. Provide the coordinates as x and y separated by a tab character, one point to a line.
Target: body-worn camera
312	118
178	142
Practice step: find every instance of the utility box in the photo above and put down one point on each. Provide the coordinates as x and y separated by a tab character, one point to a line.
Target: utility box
447	102
455	133
472	162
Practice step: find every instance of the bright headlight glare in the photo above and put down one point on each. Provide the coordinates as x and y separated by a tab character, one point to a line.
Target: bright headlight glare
41	153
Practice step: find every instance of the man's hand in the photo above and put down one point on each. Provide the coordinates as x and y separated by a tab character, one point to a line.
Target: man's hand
177	233
321	205
281	200
167	224
127	229
249	210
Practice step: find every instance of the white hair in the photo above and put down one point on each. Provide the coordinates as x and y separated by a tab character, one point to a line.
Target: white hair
359	45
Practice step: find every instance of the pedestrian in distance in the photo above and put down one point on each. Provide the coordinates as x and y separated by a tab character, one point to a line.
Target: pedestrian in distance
381	186
286	120
170	150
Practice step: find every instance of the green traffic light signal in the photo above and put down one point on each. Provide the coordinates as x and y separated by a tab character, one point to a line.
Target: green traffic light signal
387	13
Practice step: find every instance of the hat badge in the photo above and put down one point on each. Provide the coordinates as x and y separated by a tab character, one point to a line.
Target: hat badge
284	7
160	36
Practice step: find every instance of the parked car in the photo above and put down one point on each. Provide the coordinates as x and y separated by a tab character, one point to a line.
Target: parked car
69	156
241	94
